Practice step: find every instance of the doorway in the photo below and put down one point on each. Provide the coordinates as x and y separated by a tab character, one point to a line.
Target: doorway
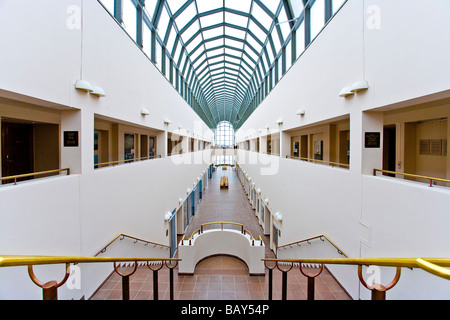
389	148
17	149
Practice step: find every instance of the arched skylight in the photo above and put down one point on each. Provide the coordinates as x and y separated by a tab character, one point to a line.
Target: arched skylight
223	56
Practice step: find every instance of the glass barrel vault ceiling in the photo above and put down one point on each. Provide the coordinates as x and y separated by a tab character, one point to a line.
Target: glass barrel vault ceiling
223	56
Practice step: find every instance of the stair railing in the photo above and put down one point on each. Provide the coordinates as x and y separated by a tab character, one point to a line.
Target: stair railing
222	223
435	266
50	288
34	174
322	237
410	175
122	236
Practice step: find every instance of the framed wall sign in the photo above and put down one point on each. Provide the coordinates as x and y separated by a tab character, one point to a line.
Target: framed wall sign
70	138
372	140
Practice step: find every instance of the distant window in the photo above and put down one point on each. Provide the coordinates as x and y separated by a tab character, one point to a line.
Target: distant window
225	134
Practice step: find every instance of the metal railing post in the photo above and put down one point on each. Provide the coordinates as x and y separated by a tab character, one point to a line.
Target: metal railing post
311	281
125	287
378	290
155	279
284	280
155	284
50	288
125	281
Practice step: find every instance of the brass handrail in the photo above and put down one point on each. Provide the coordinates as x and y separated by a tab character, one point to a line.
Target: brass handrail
312	238
331	163
126	161
50	288
438	265
18	176
435	266
18	260
412	176
124	235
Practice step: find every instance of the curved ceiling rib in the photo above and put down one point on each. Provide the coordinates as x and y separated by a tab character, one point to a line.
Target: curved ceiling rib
224	49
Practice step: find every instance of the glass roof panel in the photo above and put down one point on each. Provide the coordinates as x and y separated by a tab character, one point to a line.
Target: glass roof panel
171	40
234	43
241	5
214	43
297	7
272	5
213	33
196	54
260	34
129	18
175	5
189	32
284	25
187	15
235	32
261	16
176	55
193	44
211	19
250	52
233	52
276	40
337	4
236	19
163	23
207	5
317	17
109	5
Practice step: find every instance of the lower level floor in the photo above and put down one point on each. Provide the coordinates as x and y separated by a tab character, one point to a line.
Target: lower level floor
223	277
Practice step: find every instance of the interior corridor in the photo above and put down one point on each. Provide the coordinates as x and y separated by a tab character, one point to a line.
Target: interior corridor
222	277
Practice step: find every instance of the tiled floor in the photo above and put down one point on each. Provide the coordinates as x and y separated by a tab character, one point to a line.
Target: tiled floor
222	277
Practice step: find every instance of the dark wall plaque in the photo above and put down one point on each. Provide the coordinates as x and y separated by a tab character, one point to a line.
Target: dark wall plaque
70	138
372	140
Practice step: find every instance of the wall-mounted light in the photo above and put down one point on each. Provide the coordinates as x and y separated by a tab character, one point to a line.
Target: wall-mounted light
359	86
188	190
145	112
97	91
345	92
167	216
267	127
279	122
258	191
266	201
180	200
167	121
84	86
278	216
301	112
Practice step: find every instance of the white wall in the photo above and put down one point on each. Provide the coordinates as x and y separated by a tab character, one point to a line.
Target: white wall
365	216
41	58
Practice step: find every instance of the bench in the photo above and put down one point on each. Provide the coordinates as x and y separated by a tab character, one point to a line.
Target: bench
224	182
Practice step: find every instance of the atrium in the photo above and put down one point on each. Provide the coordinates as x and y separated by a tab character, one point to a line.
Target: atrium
224	139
